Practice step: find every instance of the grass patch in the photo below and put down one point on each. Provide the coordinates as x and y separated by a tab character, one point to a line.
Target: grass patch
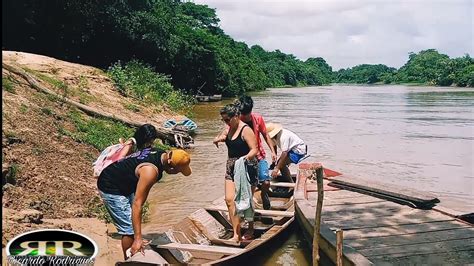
37	151
85	98
7	85
139	81
132	107
10	135
58	84
83	82
99	133
12	175
47	111
23	108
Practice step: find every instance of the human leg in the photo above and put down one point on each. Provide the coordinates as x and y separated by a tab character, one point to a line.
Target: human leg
250	231
229	200
127	241
264	179
120	209
285	171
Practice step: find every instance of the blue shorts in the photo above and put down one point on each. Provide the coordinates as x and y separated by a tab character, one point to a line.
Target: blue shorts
120	209
263	174
295	157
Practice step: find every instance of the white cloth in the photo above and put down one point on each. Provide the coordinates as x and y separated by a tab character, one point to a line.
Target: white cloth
287	140
243	191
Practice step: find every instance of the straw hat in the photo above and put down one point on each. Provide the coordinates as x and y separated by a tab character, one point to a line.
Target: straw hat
273	129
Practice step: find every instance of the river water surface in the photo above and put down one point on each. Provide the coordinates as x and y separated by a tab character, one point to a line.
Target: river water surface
417	137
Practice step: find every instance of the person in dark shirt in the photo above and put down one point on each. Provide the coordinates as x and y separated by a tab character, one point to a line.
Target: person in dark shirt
125	184
241	142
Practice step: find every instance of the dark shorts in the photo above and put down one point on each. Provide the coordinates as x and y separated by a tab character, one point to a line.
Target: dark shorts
252	170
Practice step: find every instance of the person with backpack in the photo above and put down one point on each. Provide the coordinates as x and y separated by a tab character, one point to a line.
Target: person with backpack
124	185
143	137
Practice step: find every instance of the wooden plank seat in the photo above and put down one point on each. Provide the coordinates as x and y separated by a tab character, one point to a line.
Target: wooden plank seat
283	184
261	212
202	248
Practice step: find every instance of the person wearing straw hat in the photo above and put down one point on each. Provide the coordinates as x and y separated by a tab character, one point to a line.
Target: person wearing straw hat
292	147
125	184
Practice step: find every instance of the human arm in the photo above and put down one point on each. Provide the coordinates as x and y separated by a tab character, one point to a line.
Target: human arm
221	137
251	140
272	146
281	163
128	147
147	177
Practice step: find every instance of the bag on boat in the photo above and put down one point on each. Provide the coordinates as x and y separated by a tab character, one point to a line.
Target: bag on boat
108	156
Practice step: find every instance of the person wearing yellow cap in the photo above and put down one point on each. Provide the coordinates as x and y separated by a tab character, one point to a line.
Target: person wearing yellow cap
124	186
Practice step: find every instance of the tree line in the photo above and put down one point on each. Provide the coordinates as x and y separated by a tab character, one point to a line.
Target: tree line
183	41
426	67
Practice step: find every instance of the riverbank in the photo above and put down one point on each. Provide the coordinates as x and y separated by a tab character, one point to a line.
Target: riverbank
48	146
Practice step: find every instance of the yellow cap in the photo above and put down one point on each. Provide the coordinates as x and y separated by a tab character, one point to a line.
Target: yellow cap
180	160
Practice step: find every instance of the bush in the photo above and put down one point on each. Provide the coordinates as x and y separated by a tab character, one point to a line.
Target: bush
139	81
7	85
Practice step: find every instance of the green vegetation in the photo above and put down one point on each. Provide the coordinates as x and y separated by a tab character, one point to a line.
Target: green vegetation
365	74
12	174
52	81
139	81
99	133
428	67
7	84
132	107
23	108
47	111
182	44
179	39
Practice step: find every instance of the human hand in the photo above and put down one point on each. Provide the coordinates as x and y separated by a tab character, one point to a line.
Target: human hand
274	157
216	142
274	173
137	246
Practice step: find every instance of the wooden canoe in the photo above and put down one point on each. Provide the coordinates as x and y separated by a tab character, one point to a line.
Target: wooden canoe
209	98
202	237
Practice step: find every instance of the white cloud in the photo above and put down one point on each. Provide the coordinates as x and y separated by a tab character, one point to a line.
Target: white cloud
350	32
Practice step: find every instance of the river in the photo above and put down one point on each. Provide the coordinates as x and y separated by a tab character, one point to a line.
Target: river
417	137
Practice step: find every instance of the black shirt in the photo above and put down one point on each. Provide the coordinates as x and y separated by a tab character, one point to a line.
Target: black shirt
120	177
237	147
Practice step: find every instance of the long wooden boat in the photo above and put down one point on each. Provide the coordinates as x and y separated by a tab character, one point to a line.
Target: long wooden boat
209	98
382	224
203	236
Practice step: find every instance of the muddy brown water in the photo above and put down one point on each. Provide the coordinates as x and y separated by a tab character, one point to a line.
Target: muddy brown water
418	137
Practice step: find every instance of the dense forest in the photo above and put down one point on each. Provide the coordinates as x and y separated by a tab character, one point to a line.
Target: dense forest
427	67
183	42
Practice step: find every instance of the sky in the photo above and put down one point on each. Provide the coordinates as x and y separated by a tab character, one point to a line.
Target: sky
347	33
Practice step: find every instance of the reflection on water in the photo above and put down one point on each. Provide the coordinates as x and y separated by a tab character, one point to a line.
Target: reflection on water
418	137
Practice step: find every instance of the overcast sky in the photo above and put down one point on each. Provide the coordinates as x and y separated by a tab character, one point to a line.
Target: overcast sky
350	32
